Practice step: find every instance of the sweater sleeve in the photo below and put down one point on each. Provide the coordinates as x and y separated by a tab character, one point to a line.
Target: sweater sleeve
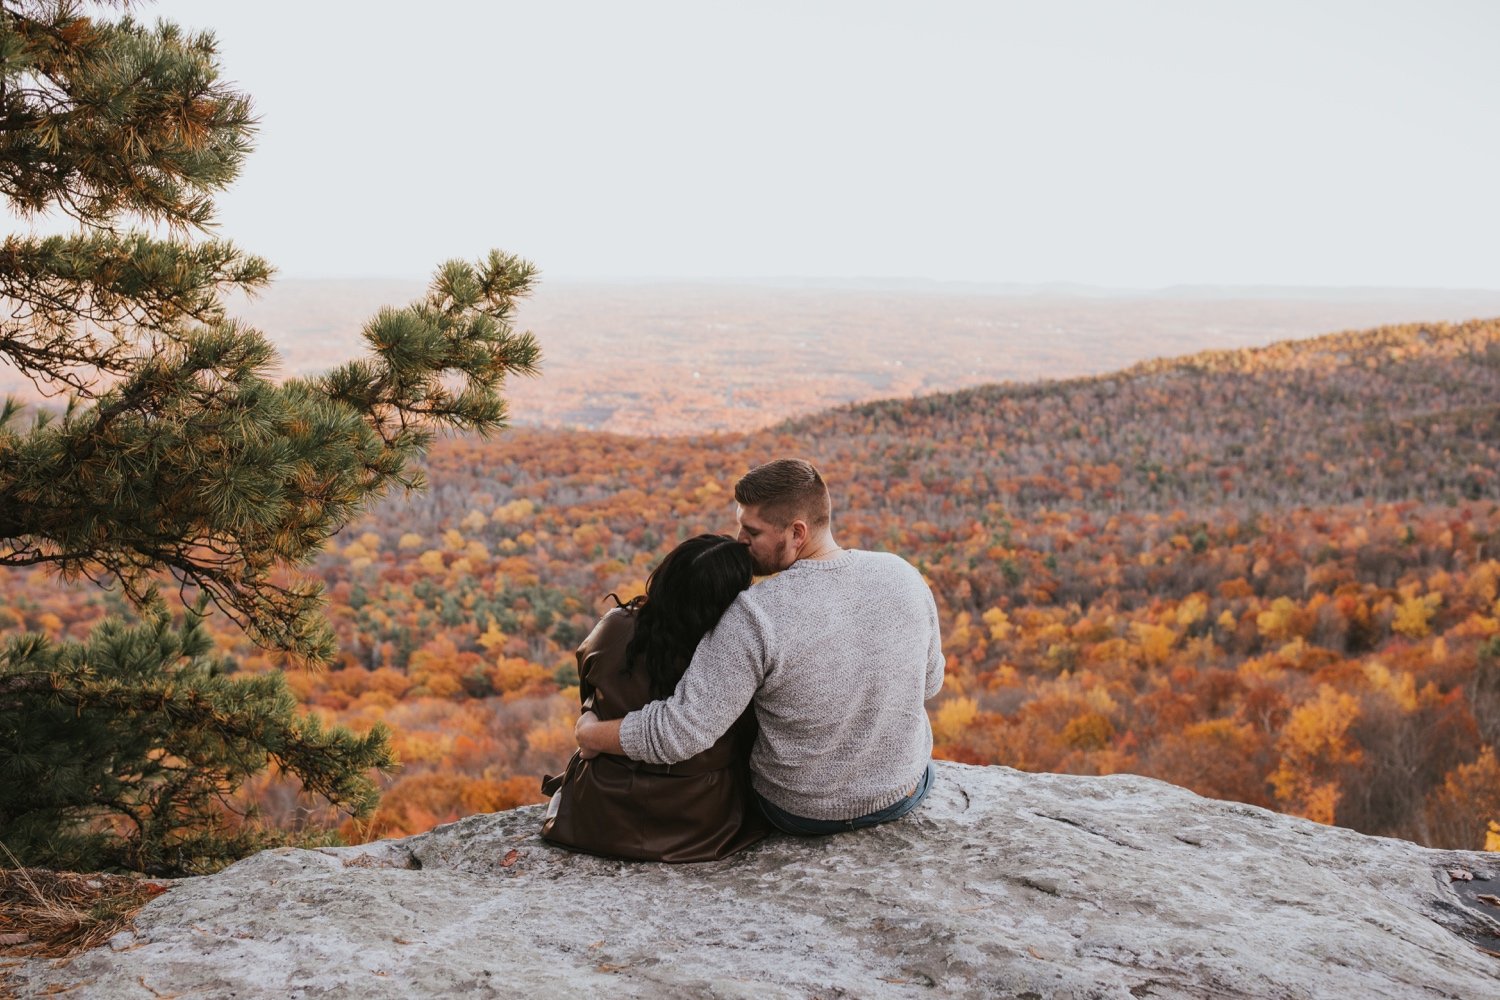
726	670
935	660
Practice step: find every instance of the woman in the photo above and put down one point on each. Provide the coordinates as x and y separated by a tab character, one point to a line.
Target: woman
700	809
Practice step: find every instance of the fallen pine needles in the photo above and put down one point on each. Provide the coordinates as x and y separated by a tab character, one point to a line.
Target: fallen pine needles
49	914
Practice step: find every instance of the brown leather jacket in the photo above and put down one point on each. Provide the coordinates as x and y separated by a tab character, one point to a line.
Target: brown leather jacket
700	809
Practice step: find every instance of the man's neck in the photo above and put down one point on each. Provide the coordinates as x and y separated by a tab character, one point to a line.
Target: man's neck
822	547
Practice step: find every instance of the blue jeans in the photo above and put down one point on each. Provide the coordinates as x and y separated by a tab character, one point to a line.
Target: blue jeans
804	827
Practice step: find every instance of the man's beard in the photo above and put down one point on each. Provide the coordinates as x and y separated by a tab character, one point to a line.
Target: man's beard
777	561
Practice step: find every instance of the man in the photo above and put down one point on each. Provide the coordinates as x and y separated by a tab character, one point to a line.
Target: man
838	651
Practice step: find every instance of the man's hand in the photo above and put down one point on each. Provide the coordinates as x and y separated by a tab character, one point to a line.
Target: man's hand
595	737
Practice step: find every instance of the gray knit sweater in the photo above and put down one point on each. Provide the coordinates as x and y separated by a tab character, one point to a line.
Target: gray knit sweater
839	655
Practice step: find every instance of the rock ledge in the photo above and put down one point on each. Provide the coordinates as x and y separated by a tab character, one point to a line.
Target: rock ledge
1002	884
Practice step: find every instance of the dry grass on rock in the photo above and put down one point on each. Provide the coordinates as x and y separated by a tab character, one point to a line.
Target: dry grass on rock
47	914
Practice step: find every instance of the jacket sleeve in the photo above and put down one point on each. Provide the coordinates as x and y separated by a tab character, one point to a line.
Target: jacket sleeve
726	671
585	656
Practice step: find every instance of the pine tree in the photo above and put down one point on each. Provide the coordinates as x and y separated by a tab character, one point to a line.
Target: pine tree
172	457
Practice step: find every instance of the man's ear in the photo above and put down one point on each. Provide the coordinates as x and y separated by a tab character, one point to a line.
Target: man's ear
799	532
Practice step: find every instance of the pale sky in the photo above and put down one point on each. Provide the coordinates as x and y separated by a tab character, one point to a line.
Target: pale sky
1132	144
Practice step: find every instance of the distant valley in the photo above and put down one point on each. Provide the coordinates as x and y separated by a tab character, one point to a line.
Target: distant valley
675	358
682	358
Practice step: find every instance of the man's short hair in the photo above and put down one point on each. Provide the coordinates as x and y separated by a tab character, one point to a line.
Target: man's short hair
784	491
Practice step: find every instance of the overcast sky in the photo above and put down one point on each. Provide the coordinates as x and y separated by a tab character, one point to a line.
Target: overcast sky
1136	144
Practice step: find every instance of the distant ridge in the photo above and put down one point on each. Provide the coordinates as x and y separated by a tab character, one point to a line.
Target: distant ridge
1396	413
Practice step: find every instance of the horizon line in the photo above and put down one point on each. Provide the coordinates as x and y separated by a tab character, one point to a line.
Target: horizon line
916	283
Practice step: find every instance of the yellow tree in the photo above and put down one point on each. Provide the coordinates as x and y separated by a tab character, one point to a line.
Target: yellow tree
1315	748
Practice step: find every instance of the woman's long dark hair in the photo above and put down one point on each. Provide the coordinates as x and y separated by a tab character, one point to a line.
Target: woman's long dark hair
686	595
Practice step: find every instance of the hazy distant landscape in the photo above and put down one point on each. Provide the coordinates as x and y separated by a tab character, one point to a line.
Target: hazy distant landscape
681	358
684	358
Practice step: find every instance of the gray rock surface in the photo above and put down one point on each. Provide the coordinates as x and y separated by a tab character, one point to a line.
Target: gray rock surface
1003	884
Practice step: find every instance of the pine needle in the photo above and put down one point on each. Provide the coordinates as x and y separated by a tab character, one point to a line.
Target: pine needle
49	914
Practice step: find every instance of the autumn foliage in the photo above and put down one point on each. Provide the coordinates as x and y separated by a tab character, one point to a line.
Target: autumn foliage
1268	575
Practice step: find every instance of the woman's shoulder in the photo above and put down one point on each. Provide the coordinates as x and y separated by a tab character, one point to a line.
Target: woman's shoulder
602	666
623	613
616	624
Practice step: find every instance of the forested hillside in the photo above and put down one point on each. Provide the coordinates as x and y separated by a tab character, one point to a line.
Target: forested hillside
1270	575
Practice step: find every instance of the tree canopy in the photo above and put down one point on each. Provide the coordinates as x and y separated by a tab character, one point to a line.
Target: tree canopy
170	455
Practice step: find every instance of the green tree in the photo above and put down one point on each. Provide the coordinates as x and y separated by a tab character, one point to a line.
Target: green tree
172	457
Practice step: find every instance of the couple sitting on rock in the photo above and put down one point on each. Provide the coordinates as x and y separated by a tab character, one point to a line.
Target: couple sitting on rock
714	710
